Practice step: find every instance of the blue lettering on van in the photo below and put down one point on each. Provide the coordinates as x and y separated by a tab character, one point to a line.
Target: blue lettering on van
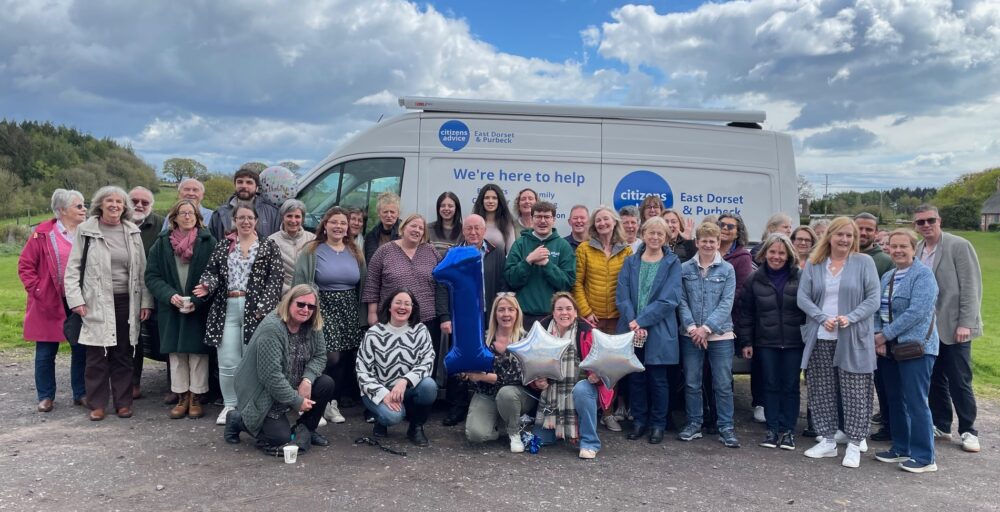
636	185
453	135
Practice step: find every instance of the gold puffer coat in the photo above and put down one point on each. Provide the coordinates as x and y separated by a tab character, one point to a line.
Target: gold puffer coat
597	278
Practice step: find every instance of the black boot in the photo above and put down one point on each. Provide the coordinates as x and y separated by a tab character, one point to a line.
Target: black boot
416	435
637	432
234	425
656	436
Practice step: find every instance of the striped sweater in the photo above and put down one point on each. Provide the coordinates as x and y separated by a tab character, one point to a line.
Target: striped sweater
389	353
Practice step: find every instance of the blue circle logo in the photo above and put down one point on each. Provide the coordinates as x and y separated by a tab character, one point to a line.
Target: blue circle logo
454	135
636	185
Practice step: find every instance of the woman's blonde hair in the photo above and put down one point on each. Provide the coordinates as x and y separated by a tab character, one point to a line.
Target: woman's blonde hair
907	232
822	250
491	330
412	218
617	233
300	290
777	238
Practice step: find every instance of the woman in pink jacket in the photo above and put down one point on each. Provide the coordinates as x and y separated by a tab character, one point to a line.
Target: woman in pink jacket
41	267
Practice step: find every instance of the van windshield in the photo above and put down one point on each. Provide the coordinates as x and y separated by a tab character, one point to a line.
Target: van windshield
352	184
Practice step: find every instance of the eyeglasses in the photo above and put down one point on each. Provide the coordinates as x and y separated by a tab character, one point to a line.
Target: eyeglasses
142	202
803	240
405	304
305	305
727	226
542	217
928	222
185	214
245	218
80	206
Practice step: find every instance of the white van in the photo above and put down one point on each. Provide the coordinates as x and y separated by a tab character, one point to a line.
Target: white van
699	162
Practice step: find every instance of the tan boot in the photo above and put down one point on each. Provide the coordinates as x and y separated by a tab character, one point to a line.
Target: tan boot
181	409
195	410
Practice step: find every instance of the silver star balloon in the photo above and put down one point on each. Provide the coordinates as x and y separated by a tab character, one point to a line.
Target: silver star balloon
540	354
611	357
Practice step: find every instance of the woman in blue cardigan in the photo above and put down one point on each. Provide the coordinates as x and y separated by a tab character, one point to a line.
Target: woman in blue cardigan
839	293
647	297
906	316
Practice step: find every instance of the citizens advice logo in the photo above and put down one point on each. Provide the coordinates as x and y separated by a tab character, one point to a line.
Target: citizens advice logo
453	135
636	185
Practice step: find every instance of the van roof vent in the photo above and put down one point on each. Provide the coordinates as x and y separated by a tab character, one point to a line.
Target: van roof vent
737	117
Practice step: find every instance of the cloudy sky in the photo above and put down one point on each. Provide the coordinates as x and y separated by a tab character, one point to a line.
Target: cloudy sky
875	92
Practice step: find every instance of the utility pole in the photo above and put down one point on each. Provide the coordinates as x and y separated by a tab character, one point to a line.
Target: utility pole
826	196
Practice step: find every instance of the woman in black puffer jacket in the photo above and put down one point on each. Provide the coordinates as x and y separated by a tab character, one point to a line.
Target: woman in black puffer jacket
769	329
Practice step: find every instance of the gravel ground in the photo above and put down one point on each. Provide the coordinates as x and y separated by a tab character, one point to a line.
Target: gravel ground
62	461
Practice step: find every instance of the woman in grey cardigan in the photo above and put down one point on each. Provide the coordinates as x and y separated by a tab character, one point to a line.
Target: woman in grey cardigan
839	293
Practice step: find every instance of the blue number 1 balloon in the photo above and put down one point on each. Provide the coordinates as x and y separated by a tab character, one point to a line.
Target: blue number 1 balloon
461	271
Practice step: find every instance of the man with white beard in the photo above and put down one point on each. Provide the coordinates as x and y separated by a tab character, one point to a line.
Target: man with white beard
150	225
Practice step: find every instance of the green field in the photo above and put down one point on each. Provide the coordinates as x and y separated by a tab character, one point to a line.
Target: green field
986	352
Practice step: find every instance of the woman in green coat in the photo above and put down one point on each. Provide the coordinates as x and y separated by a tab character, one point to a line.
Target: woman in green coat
176	261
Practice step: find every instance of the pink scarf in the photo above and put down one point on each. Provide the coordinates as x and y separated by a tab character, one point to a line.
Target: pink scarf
183	244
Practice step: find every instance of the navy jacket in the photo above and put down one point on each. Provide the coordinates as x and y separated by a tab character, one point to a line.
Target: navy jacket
659	317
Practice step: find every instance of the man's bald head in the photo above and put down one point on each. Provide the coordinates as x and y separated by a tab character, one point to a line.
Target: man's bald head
474	230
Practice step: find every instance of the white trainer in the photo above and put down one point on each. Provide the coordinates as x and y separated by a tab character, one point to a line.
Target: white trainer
332	413
221	420
852	458
841	438
758	414
970	442
516	445
322	422
941	434
824	448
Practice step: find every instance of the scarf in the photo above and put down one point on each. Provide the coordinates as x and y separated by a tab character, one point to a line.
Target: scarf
555	405
183	244
778	279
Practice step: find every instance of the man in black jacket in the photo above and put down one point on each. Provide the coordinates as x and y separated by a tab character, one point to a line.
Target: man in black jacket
247	183
150	226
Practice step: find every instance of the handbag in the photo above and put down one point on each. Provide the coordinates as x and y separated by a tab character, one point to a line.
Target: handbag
910	350
74	322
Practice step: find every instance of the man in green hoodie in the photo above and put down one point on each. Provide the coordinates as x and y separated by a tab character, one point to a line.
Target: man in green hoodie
539	264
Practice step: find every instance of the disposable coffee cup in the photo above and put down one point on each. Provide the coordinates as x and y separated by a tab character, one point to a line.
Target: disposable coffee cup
186	305
291	454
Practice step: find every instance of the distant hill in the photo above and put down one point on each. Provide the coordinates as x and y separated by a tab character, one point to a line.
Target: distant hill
39	157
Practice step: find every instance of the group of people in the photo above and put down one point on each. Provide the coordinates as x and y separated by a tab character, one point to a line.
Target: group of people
289	327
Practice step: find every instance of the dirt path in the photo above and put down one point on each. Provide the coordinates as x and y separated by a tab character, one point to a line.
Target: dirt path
62	461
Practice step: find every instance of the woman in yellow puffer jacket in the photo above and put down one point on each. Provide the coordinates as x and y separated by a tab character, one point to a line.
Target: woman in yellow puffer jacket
598	261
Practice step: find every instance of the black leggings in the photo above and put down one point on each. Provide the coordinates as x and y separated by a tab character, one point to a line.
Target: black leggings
340	367
278	431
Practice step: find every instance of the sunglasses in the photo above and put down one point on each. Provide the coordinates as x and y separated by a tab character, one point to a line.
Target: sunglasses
928	222
727	226
505	294
305	305
142	202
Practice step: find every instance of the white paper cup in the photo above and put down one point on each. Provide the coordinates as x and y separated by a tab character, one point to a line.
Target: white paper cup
186	305
291	454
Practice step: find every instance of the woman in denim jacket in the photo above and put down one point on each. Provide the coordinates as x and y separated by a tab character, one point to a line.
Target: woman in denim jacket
906	315
709	287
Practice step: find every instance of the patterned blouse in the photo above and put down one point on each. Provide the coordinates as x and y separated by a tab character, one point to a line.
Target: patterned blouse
508	370
300	351
239	267
391	269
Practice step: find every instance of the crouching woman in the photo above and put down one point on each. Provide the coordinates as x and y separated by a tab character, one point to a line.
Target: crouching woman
282	370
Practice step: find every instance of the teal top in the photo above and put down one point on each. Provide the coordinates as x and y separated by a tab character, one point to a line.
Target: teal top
647	272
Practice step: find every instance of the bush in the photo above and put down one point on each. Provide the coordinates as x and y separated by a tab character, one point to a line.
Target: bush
993	228
217	190
15	236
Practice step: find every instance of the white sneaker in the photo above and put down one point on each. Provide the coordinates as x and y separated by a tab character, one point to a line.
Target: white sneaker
611	423
970	442
758	414
852	458
322	422
332	413
221	420
825	448
941	434
587	454
516	446
841	438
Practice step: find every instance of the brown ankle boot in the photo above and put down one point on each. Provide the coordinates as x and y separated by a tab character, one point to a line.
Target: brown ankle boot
195	410
181	409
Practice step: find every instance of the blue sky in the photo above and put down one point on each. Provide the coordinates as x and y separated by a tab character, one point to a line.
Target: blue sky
876	93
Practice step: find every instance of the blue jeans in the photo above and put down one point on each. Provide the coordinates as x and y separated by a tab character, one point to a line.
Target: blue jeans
418	400
720	358
231	349
650	396
585	403
45	370
780	372
906	385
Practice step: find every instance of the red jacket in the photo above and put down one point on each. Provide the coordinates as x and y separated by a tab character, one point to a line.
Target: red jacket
38	269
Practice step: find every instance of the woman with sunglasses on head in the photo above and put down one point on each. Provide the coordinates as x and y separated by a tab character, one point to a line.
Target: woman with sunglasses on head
41	267
176	261
394	367
281	371
446	232
336	267
499	398
491	205
243	279
839	293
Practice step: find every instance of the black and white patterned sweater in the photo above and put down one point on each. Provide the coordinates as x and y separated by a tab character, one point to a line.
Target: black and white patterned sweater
389	353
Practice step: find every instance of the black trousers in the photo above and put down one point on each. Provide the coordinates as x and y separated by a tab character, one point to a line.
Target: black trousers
278	431
883	400
951	385
111	364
